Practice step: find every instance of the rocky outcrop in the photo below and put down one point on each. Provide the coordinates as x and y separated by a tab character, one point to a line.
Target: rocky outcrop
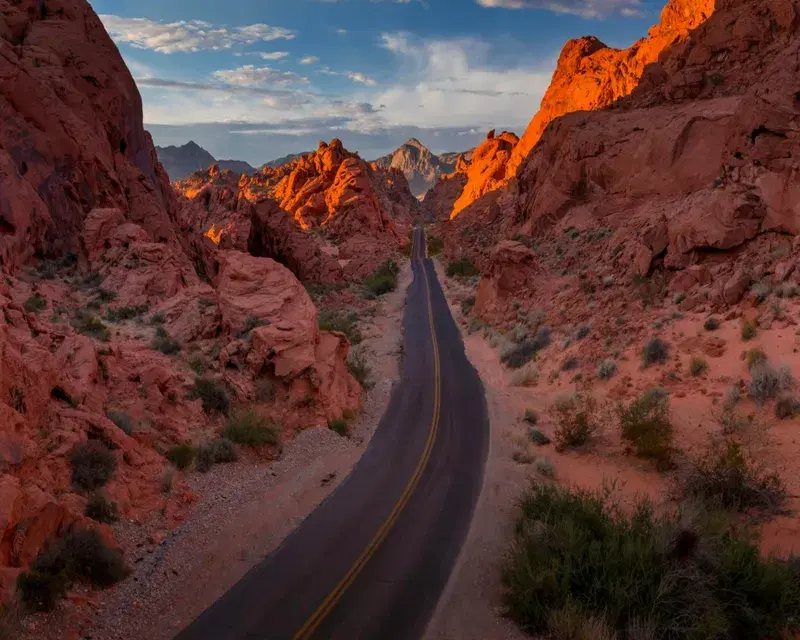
181	162
325	215
115	297
418	164
694	170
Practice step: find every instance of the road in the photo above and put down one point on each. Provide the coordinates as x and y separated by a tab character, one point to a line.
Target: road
372	560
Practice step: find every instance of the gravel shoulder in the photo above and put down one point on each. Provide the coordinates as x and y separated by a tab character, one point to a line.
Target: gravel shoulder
244	511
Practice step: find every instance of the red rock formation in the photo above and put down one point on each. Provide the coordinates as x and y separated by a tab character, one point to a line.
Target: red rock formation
84	198
687	171
360	212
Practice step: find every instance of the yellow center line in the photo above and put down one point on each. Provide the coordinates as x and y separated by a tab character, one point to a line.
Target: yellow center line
338	591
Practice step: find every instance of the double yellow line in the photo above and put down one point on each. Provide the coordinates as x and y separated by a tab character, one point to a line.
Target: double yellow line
308	629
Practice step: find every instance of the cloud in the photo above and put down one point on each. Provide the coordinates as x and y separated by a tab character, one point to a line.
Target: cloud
187	36
583	8
264	55
309	60
252	76
183	85
342	32
355	76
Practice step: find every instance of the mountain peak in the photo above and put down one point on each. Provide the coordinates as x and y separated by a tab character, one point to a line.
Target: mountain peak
413	142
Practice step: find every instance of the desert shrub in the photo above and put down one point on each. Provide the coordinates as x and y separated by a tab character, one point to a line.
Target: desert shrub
538	437
608	281
755	356
786	290
467	304
339	426
213	394
435	245
711	323
761	290
358	367
787	406
748	330
645	424
576	420
606	370
462	268
639	574
164	343
583	331
126	313
767	382
217	451
36	303
730	478
90	325
197	362
41	591
157	318
679	297
732	397
522	457
182	455
384	279
697	366
343	321
122	420
570	363
251	429
531	416
545	467
93	465
525	376
101	509
655	351
520	354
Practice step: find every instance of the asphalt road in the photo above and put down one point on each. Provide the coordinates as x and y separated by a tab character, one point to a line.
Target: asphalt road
372	560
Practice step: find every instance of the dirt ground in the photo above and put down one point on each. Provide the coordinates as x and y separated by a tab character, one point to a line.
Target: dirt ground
472	607
244	510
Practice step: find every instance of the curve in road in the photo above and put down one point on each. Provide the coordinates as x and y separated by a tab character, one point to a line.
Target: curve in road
372	560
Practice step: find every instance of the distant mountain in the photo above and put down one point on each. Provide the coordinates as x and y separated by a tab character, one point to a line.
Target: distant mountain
279	162
420	166
181	162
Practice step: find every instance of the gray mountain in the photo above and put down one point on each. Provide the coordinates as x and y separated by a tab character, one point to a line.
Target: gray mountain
420	166
279	162
181	162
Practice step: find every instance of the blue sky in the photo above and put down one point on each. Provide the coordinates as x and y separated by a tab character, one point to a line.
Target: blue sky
256	79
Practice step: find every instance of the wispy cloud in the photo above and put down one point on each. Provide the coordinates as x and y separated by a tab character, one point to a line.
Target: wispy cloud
584	8
188	36
264	55
355	76
309	60
252	76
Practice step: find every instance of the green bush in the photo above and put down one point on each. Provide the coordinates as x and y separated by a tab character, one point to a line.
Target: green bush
101	509
383	280
731	479
697	366
214	397
677	577
755	356
340	426
520	354
345	322
93	465
787	406
182	455
467	304
435	245
748	330
127	313
645	424
576	420
767	382
358	367
583	331
164	343
251	429
711	323
530	416
80	556
655	351
36	303
462	268
217	451
90	325
606	370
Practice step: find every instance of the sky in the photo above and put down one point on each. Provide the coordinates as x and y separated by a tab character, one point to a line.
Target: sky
257	79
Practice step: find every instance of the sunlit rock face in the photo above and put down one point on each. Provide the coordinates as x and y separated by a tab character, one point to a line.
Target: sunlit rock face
326	215
694	173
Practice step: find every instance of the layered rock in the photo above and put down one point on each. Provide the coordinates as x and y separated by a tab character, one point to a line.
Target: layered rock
687	172
418	164
109	290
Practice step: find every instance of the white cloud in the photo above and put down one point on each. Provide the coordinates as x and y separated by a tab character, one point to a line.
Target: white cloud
252	76
187	36
342	32
355	76
309	60
264	55
584	8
